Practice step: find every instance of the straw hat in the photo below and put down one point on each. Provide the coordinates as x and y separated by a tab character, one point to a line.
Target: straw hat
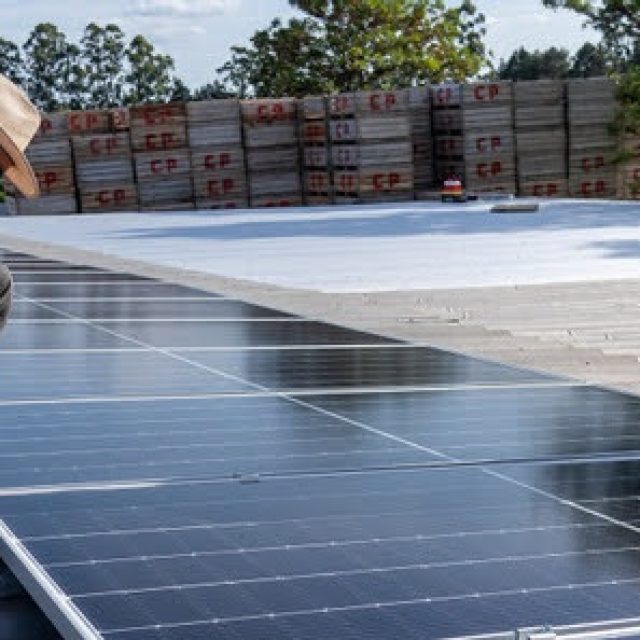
19	122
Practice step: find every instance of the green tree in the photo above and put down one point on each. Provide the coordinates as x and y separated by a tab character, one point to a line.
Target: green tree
212	91
617	20
149	74
48	63
179	91
11	62
590	61
72	91
282	60
535	65
341	45
103	50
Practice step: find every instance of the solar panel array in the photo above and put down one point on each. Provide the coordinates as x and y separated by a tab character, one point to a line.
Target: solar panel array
180	465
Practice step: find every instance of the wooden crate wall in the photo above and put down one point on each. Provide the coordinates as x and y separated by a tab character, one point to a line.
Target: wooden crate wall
217	156
103	161
474	138
270	129
541	138
422	140
592	147
315	150
161	157
51	159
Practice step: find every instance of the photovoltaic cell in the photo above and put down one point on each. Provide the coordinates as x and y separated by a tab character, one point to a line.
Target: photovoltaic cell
161	475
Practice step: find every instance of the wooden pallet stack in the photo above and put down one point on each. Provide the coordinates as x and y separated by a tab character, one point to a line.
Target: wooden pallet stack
343	137
421	138
371	146
385	146
592	147
316	155
103	163
270	130
50	156
541	139
161	157
217	155
473	127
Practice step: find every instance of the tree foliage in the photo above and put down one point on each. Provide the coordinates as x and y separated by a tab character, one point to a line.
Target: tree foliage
617	20
104	59
589	61
149	75
341	45
534	65
101	71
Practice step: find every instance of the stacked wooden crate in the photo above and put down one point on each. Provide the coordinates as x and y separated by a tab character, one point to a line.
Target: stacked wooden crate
161	157
385	146
473	127
270	130
103	163
372	150
217	155
541	139
343	136
50	156
592	146
421	138
628	168
316	158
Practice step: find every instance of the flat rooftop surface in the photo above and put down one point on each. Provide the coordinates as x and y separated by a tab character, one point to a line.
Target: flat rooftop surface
179	465
368	248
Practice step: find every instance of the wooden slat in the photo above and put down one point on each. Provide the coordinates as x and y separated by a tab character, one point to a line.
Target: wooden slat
277	134
539	92
272	158
316	157
341	105
214	111
479	95
101	147
84	122
551	187
161	138
150	166
50	151
271	183
106	172
217	160
210	188
446	95
120	119
174	190
115	197
317	182
313	108
158	116
215	134
377	103
269	111
284	200
52	125
56	180
44	205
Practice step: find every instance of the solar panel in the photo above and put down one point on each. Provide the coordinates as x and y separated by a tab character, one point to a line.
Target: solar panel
177	465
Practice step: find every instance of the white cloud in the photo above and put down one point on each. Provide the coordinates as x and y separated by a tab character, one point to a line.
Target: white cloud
183	7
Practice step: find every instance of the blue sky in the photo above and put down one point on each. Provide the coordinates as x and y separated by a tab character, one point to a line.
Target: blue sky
198	33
